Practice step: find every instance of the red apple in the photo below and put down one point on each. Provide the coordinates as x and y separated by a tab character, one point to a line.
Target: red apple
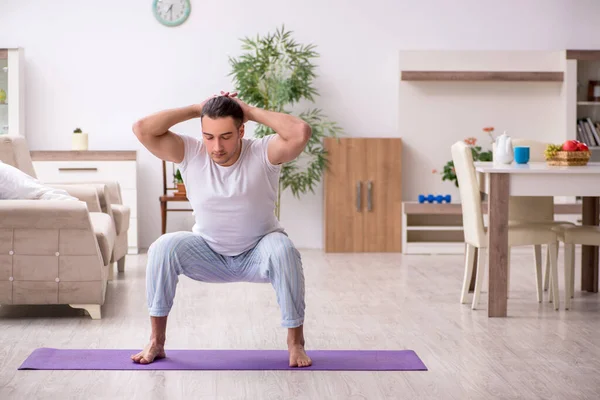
570	145
582	147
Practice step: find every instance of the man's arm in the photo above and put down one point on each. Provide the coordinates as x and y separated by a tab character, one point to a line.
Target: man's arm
292	133
153	132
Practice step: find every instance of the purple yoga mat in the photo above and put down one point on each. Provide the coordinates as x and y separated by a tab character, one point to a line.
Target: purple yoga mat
323	360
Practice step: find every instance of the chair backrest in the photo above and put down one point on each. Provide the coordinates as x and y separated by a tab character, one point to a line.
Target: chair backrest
169	174
536	148
15	151
531	208
470	196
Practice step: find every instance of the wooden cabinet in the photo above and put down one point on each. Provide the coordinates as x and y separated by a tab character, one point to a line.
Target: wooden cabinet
363	195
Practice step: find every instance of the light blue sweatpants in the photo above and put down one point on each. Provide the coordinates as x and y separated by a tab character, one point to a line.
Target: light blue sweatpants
274	259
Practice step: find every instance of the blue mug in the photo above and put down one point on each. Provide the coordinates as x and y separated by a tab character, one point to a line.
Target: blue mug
521	155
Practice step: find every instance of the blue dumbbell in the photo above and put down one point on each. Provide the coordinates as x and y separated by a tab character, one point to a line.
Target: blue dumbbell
435	199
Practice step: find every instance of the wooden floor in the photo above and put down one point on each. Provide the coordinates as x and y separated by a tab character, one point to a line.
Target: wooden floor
353	302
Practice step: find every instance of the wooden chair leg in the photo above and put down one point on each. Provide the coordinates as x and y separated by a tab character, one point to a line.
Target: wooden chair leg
537	255
569	261
573	273
163	216
481	267
469	261
552	254
547	271
554	274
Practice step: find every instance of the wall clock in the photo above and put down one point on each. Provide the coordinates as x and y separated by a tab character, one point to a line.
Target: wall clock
171	12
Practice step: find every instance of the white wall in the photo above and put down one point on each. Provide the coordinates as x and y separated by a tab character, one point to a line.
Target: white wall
433	115
102	65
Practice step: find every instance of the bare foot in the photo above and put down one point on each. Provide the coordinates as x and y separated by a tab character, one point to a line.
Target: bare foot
152	351
298	357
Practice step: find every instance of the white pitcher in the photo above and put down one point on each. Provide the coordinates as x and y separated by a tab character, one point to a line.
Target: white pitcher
503	149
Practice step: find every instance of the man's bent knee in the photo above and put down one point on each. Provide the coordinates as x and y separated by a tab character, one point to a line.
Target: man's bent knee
281	247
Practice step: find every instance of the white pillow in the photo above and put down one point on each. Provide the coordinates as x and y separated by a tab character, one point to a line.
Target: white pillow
17	185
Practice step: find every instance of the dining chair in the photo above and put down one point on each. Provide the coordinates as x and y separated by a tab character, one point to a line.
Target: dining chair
572	236
536	209
568	233
476	237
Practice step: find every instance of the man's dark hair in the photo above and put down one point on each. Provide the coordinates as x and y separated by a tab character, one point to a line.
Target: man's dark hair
222	107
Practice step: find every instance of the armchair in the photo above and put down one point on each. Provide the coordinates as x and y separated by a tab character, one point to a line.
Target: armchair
14	151
55	251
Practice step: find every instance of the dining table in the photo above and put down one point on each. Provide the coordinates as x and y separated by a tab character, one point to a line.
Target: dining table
499	181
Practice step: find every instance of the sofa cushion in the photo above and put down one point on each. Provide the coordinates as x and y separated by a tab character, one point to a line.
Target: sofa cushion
105	233
121	214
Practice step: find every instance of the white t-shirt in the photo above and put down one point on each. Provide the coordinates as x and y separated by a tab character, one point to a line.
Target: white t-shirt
17	185
234	207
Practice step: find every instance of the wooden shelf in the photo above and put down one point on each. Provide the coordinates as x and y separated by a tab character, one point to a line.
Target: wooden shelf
483	76
588	103
583	55
87	155
456	208
432	228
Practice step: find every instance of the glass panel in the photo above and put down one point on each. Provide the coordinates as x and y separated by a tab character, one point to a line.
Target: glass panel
4	99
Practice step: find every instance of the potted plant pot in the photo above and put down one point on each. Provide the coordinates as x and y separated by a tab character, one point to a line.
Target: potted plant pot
79	140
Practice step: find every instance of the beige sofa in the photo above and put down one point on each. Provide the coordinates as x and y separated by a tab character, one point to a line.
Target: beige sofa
15	151
56	251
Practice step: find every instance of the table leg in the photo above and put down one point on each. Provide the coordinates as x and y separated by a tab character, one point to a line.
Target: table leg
589	254
498	244
163	216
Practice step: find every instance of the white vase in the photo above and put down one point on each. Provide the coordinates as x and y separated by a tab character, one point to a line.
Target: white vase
79	141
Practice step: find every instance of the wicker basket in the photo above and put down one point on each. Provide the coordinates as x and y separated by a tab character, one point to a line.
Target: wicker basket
570	158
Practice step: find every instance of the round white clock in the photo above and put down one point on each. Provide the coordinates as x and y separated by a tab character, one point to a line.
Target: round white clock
171	12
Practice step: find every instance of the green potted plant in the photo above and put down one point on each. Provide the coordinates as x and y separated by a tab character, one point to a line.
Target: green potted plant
449	174
79	140
178	180
275	73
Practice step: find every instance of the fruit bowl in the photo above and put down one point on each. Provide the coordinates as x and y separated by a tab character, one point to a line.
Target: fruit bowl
571	153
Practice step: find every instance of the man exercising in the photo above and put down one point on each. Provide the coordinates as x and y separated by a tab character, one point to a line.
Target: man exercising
231	183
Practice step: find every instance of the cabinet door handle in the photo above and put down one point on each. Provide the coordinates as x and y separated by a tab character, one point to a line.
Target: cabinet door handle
369	196
78	169
358	196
